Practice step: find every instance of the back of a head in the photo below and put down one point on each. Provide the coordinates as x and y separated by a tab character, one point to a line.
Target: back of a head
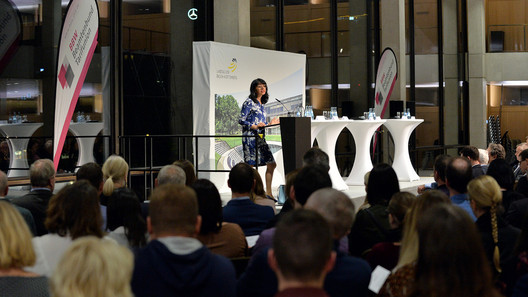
209	206
124	209
458	174
502	172
440	166
173	210
258	190
16	248
451	255
302	245
470	152
409	246
171	174
316	157
524	155
75	211
382	184
483	156
3	183
399	204
40	172
336	207
93	267
308	180
188	167
115	169
485	191
241	178
497	150
91	172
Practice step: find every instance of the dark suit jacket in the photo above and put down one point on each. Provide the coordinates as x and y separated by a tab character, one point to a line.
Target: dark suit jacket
251	217
36	202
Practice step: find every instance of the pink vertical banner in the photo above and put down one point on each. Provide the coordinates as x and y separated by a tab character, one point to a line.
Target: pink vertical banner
10	31
76	48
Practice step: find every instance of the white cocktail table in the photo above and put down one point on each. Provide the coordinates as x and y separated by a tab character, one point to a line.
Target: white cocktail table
86	144
18	146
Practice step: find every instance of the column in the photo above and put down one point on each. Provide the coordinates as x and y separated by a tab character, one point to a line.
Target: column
232	22
449	14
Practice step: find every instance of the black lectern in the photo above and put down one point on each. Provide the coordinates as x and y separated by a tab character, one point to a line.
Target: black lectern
296	136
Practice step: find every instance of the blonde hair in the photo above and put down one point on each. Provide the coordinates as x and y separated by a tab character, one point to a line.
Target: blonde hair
93	267
16	249
409	245
486	193
115	169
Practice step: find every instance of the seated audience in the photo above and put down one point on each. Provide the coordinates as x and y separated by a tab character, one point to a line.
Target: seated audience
252	218
498	237
501	171
125	223
316	157
302	254
439	169
458	175
16	252
222	238
42	179
93	267
170	174
115	172
517	172
372	223
93	173
188	167
495	151
452	265
26	214
472	154
350	275
483	159
258	195
386	254
409	245
522	184
288	203
72	213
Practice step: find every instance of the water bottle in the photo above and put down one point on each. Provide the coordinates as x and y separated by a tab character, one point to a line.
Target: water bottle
408	113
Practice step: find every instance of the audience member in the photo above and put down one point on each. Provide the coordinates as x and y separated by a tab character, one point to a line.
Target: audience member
350	275
472	154
517	172
72	213
16	252
252	218
115	171
258	194
372	223
308	180
501	171
93	267
498	237
439	169
125	223
4	156
452	265
174	262
409	245
483	159
170	174
495	151
316	157
42	179
188	167
458	175
386	254
302	254
93	173
521	251
26	214
522	184
288	203
222	238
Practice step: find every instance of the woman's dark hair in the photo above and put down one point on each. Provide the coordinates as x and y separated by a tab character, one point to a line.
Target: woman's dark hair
253	93
75	211
188	167
451	259
382	184
124	210
209	206
501	171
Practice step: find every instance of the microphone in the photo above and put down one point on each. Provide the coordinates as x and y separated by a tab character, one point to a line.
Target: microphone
289	112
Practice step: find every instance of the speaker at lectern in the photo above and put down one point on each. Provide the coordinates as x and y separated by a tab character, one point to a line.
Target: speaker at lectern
296	136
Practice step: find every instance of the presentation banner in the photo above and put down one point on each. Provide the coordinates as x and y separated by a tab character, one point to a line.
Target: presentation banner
76	47
222	75
10	31
385	80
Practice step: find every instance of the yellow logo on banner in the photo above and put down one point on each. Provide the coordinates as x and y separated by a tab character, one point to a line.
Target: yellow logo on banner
233	66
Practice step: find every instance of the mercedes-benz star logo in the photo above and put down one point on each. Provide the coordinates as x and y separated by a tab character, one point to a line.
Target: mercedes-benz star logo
192	14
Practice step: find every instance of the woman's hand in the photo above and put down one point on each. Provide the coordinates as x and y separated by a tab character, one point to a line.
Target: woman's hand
261	124
253	127
275	121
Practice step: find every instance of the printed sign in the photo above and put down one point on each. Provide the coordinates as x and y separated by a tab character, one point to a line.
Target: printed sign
385	80
10	31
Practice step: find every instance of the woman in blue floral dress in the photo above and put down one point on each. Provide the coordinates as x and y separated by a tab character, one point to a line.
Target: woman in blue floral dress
253	121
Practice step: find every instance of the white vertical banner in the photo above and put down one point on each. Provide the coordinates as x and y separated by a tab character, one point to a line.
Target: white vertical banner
10	31
76	47
385	80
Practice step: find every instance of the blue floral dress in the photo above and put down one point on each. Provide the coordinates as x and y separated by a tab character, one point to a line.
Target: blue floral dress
251	114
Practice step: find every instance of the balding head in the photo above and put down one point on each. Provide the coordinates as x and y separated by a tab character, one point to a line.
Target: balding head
458	175
42	174
336	207
171	174
3	184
